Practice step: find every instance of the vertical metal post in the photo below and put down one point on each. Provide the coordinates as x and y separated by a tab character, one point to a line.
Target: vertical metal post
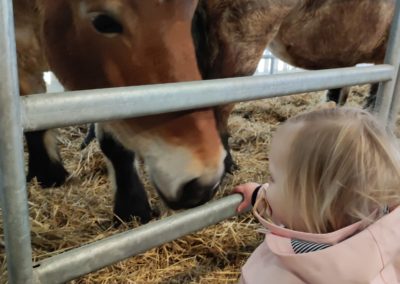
273	63
388	94
12	177
395	105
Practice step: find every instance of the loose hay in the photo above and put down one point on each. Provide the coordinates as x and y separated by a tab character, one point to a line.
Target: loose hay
80	211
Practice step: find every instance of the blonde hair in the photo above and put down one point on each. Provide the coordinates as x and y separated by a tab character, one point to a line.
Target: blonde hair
343	165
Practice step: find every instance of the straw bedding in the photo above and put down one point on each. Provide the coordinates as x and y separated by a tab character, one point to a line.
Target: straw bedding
80	212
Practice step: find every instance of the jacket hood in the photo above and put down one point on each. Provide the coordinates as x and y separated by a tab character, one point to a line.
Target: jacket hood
359	253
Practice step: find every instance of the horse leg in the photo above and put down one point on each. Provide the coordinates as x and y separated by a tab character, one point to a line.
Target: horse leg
333	95
222	114
338	95
371	99
90	135
130	197
44	158
344	94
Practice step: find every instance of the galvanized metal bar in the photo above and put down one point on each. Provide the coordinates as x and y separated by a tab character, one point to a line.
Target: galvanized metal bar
61	109
91	257
395	105
273	65
12	178
388	94
395	49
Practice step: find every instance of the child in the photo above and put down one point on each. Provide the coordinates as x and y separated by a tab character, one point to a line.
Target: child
331	208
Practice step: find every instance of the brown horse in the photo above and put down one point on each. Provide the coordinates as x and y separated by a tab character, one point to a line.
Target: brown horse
310	34
98	44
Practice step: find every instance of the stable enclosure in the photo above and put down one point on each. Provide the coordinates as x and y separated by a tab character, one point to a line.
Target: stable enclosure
71	108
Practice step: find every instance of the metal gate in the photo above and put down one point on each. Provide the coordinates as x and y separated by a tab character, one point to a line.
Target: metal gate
18	114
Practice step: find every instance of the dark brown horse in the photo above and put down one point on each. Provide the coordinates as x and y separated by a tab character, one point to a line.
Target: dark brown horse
310	34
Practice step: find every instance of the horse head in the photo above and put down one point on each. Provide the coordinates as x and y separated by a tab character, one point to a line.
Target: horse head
101	44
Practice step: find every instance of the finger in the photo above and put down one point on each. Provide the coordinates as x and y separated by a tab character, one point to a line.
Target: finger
243	206
238	189
240	208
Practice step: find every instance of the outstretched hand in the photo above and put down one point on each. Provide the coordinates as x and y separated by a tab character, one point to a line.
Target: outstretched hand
246	190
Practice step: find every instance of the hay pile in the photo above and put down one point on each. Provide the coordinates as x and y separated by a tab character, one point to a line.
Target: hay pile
80	212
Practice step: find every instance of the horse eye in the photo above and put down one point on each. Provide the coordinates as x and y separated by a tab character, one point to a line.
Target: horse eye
106	25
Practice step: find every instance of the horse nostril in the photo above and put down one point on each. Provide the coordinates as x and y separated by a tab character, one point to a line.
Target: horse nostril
194	193
191	194
192	189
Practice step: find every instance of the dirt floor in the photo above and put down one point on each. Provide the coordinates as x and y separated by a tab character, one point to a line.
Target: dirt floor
80	212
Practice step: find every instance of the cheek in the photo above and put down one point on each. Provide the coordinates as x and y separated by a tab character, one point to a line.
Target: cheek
277	203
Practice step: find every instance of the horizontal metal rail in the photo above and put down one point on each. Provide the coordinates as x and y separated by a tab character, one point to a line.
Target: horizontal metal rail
44	111
91	257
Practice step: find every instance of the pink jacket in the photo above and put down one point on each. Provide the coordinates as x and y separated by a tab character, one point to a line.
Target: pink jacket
357	255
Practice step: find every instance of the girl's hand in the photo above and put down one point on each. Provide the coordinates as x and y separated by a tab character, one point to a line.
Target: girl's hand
246	190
